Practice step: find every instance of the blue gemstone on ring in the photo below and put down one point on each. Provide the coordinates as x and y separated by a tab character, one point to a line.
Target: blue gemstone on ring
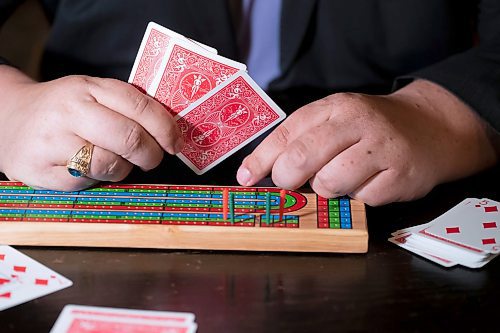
74	172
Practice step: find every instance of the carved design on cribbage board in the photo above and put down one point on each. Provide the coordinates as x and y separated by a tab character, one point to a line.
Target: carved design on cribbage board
137	215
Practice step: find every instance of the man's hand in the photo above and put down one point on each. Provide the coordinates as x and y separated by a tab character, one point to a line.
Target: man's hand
377	149
44	124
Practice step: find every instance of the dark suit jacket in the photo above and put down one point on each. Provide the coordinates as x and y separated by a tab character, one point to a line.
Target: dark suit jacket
327	45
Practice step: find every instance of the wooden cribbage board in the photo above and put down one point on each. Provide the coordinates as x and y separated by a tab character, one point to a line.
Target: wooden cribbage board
180	217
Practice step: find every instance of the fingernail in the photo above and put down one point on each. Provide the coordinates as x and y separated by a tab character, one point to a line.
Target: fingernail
243	176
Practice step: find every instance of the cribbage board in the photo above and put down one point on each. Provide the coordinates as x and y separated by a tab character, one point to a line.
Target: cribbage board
180	217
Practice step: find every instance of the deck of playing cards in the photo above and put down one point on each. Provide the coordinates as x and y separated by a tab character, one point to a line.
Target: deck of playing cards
23	279
468	234
90	319
217	105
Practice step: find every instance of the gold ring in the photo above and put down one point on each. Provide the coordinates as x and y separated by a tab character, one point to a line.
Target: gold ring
79	164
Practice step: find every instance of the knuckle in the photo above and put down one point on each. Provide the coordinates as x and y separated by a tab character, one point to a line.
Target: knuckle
377	195
327	184
298	156
80	81
142	103
107	81
318	189
354	107
371	199
116	171
79	84
134	139
338	99
110	169
282	135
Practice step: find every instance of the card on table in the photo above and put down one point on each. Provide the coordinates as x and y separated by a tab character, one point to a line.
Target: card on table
86	319
476	226
446	251
150	56
23	279
401	240
466	234
187	73
224	120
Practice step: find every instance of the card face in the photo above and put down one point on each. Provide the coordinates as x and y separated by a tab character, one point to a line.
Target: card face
23	279
80	319
419	227
223	121
150	56
475	226
187	73
467	234
7	284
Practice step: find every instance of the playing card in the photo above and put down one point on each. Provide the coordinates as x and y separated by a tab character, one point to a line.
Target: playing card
153	47
475	226
187	73
401	240
183	317
79	319
90	324
433	241
419	227
440	249
224	120
410	229
23	279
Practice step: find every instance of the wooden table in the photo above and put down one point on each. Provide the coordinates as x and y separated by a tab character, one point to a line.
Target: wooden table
387	289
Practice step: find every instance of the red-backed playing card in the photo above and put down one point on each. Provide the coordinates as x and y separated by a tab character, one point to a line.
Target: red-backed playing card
224	120
86	324
150	56
87	319
188	73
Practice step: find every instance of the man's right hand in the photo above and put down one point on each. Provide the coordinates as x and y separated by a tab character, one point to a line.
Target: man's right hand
42	125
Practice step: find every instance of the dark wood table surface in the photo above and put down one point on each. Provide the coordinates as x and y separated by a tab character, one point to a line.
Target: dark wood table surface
387	289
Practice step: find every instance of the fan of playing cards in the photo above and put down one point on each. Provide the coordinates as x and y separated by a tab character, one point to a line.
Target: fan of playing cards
217	105
468	234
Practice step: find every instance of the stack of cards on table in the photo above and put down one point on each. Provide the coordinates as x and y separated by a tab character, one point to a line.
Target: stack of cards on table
468	234
23	279
218	107
91	319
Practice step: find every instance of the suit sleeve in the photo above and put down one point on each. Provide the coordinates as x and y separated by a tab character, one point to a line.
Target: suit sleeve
474	75
7	7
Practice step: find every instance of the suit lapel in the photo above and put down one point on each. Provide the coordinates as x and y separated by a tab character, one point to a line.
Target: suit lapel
295	17
214	23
